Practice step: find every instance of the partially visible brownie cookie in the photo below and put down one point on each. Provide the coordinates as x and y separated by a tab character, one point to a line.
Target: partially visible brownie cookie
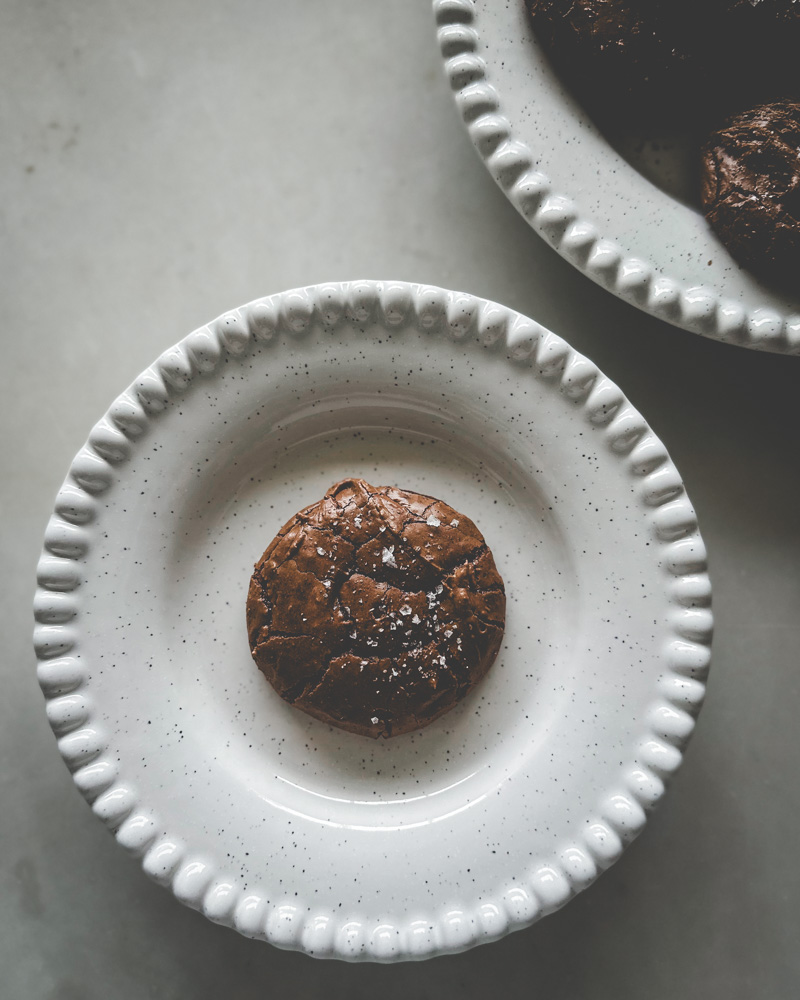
751	189
629	57
376	609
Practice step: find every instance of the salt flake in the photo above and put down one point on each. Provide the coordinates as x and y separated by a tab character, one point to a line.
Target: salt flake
387	557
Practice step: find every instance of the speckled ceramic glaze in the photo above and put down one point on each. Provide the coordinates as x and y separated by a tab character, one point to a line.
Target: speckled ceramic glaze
586	199
271	822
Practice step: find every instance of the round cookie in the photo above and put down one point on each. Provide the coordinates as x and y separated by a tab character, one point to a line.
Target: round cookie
376	609
633	57
751	188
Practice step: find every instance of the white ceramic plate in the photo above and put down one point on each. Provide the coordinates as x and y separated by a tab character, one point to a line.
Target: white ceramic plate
272	822
588	201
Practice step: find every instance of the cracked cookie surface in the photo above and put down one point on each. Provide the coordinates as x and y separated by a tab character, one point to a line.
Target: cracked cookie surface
376	609
751	188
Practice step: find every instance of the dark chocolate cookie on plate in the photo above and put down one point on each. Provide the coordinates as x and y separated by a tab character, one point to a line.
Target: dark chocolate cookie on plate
376	609
751	189
631	58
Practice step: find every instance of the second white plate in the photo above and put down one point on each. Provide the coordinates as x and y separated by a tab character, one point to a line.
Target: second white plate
588	201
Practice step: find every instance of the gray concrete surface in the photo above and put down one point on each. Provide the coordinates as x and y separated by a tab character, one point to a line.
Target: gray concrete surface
165	161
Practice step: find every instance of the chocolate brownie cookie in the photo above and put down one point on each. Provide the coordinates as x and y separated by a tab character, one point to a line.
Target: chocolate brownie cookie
751	188
626	57
375	609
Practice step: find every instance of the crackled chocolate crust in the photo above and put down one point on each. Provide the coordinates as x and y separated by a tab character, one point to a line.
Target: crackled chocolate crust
376	609
631	57
751	188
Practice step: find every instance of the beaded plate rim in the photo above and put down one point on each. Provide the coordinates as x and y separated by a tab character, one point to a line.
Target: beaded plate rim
90	753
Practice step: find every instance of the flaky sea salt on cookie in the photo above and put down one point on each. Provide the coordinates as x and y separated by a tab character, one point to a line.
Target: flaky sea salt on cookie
376	609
